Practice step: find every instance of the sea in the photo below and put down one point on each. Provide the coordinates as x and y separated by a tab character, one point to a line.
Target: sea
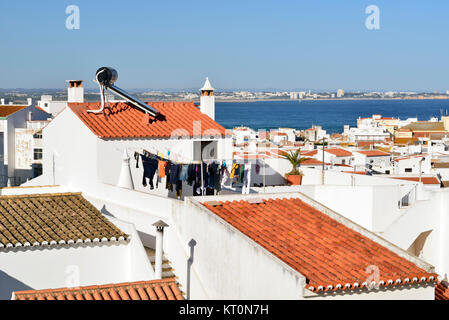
332	115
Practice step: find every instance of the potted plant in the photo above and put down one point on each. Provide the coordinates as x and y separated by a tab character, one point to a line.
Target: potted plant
294	177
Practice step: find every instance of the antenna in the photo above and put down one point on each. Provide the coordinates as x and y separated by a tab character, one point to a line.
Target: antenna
106	77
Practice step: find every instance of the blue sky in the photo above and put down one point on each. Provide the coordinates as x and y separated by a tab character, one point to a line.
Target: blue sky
238	44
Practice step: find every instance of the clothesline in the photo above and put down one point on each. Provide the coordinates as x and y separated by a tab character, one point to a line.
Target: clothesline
181	160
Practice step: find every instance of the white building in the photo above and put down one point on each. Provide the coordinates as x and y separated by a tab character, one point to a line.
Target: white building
84	148
413	164
236	241
278	137
335	156
290	132
60	240
374	134
315	134
372	158
20	143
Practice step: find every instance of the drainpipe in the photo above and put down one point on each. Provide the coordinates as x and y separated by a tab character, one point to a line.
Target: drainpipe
160	225
420	164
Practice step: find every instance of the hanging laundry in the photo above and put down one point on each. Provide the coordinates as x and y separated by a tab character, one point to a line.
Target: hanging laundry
161	168
136	157
211	172
241	173
225	177
190	174
246	179
184	172
179	189
149	169
174	173
217	177
234	169
167	174
197	180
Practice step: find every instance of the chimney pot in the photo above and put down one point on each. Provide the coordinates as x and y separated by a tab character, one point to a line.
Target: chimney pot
160	225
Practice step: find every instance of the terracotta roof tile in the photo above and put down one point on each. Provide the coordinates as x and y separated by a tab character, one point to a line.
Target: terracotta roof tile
7	110
309	153
41	219
442	291
312	162
121	120
373	153
366	143
424	180
322	249
355	172
165	289
339	152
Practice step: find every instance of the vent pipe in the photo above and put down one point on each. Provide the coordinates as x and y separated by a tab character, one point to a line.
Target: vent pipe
160	225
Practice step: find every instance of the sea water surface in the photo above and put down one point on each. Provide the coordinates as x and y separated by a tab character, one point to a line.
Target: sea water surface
331	114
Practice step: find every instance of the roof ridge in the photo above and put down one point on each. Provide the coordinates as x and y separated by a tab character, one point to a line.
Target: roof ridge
40	195
158	285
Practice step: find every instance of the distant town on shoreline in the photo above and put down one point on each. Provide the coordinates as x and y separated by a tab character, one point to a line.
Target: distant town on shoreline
21	95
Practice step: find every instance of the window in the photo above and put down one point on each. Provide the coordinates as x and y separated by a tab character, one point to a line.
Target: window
343	161
408	170
37	154
37	135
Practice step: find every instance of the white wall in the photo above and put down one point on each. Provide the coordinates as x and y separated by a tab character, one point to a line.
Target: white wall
226	264
70	152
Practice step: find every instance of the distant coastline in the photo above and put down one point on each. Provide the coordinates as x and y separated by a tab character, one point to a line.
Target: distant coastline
326	99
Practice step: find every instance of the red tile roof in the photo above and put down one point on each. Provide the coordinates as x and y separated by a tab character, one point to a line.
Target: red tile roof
424	180
366	143
373	153
442	291
339	152
165	289
9	109
39	108
422	155
121	120
329	254
309	153
342	165
312	162
355	172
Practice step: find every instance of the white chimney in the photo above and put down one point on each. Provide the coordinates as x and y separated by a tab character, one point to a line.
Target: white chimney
207	100
29	101
125	179
75	92
160	225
